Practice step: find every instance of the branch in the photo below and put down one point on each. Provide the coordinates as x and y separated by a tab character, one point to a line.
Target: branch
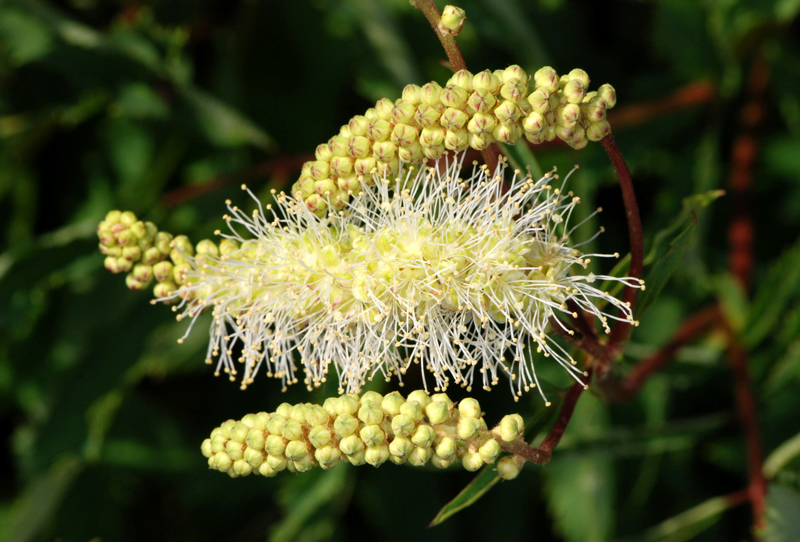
688	331
622	330
428	8
748	415
567	408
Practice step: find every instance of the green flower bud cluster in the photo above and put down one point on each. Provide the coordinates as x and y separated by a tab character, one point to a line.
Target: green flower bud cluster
471	111
367	429
149	255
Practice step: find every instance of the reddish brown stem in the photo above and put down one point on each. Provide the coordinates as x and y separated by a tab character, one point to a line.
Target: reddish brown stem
567	408
743	157
748	415
622	330
451	49
690	329
696	93
587	343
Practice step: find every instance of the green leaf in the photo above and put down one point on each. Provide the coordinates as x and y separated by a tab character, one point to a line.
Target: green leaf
776	291
686	525
668	248
40	500
476	489
222	124
782	456
783	514
733	300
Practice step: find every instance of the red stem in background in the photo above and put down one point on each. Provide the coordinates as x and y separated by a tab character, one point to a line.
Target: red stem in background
748	415
743	157
622	330
567	408
690	329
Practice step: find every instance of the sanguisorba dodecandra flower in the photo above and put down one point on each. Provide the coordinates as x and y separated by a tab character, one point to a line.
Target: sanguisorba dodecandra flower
460	272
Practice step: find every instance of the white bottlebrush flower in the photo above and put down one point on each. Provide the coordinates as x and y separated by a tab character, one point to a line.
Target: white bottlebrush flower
462	276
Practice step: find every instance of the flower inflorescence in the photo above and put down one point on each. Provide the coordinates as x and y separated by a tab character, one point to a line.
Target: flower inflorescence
370	429
471	111
432	269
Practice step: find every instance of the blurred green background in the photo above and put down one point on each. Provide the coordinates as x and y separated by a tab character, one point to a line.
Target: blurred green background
166	107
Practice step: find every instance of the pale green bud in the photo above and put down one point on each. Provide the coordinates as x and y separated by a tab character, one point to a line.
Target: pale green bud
351	445
468	428
419	456
110	263
330	406
162	242
486	81
404	135
275	423
319	436
462	78
413	410
341	166
579	139
423	436
444	398
579	75
206	448
453	96
133	284
364	166
411	94
275	445
547	79
277	462
296	450
322	153
411	154
456	141
514	73
260	421
320	169
574	92
379	130
338	144
489	451
303	465
253	457
143	273
608	93
372	435
358	126
356	459
255	439
292	430
371	397
440	463
401	447
139	229
266	471
222	462
358	146
507	112
239	432
182	247
507	133
534	123
403	112
427	115
383	108
430	93
218	444
128	218
446	449
113	217
471	461
327	457
316	204
507	468
376	456
569	115
132	253
164	289
402	425
225	428
509	428
539	100
432	136
514	90
421	397
596	131
482	124
348	404
151	256
452	20
392	402
454	119
235	450
316	415
298	412
371	413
